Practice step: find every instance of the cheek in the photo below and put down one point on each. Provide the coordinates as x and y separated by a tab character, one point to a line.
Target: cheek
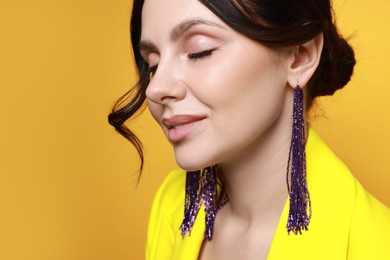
245	98
239	83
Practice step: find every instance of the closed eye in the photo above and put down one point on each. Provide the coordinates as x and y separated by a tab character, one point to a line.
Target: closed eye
199	55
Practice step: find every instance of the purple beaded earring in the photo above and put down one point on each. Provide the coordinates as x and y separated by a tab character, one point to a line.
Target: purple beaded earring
300	205
209	195
191	201
201	186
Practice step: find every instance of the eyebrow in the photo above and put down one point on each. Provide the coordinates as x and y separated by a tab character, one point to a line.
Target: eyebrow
178	31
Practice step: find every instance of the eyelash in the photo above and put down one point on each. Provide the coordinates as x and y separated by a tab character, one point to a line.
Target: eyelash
199	55
192	56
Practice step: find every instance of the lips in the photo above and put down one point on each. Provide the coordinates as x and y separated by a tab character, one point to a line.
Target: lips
180	126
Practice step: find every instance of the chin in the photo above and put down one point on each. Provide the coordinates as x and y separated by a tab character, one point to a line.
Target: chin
195	156
193	163
190	166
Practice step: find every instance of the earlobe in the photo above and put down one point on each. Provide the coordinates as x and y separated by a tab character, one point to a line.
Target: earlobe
305	60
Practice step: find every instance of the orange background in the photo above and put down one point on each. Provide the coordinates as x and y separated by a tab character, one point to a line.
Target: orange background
67	180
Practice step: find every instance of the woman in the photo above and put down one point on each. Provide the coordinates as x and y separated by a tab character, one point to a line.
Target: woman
229	82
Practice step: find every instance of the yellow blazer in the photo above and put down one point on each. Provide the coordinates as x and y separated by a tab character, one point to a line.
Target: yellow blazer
347	222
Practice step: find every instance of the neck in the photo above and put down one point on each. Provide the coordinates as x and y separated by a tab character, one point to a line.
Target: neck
255	181
256	186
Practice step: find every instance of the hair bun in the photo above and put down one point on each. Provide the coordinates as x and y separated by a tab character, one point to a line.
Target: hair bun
336	65
345	62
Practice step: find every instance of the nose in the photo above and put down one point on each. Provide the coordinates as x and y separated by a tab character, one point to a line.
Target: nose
166	86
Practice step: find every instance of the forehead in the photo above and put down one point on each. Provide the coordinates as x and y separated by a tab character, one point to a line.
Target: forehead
160	16
169	8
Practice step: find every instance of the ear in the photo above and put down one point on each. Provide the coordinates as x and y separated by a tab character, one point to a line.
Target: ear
305	60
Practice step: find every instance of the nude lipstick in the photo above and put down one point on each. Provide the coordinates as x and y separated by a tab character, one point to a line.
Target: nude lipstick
180	126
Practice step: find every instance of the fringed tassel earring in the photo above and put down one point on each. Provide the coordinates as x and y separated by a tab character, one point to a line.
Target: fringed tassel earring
209	194
201	185
300	206
191	201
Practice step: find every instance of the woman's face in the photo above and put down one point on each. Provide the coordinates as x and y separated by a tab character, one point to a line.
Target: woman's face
213	91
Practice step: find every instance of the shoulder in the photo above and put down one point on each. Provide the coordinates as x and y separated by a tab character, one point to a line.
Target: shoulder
329	179
342	206
332	182
370	227
170	195
165	216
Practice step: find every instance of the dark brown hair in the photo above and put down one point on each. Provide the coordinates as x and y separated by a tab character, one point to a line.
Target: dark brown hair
273	23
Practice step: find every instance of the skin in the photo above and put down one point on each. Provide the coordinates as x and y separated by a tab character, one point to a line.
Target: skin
241	93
